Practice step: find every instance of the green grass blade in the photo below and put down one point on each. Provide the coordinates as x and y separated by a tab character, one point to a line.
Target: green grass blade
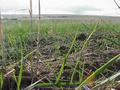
18	81
61	84
84	45
86	42
107	80
1	81
98	71
20	75
113	41
65	59
21	69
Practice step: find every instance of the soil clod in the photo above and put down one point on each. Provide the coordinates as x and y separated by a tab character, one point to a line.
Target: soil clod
82	37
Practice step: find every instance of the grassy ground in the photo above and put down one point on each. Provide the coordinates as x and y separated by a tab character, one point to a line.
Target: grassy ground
64	54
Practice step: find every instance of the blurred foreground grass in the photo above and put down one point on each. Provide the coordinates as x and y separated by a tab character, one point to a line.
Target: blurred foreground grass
49	37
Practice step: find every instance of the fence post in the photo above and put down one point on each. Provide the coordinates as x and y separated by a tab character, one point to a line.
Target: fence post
1	32
31	15
2	61
39	7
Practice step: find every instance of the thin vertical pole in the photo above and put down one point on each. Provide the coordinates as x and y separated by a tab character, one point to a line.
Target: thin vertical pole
38	24
1	34
38	32
31	28
39	7
31	15
1	43
31	8
1	39
39	17
116	3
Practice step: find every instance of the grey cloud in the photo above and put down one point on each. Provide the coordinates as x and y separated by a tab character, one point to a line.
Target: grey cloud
82	9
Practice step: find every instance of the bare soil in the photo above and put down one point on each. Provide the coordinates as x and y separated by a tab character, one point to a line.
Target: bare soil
47	61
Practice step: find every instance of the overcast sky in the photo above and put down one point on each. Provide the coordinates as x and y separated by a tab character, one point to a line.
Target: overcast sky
79	7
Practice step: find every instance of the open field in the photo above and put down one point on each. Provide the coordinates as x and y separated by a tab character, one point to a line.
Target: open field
81	18
61	54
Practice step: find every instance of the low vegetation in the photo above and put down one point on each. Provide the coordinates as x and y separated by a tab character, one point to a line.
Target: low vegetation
59	54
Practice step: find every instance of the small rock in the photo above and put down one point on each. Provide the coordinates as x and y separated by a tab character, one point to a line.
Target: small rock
40	61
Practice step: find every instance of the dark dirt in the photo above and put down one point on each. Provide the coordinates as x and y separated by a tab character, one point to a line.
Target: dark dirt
49	59
81	37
